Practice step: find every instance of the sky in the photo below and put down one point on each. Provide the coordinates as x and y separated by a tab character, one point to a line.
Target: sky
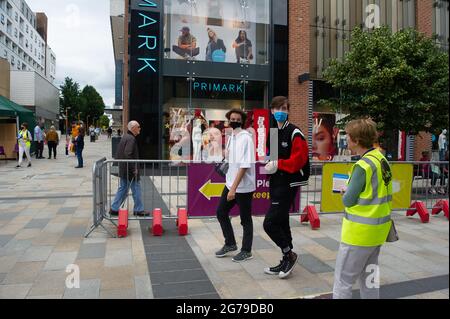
79	32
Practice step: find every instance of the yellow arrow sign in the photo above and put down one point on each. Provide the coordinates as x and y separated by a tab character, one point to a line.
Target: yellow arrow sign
210	190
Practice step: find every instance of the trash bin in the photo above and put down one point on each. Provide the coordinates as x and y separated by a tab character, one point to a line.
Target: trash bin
115	143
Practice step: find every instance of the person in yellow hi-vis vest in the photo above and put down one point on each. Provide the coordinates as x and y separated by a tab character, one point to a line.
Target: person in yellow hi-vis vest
367	221
24	139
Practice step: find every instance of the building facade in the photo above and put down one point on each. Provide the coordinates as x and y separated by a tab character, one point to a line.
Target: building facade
197	59
33	91
23	39
23	43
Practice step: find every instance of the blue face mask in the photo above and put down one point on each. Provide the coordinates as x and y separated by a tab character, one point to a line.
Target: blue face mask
281	116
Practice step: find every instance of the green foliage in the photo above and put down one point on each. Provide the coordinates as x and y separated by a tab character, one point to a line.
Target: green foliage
92	104
70	98
400	80
104	121
87	104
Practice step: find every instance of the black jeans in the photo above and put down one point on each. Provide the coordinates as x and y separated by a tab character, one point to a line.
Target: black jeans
39	149
51	147
244	201
276	223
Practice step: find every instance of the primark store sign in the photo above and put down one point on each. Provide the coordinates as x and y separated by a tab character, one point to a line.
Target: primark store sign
145	36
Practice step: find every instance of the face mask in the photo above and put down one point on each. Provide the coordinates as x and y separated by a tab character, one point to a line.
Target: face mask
281	116
235	125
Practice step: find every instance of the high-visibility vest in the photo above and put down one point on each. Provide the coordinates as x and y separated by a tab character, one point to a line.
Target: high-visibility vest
26	137
368	223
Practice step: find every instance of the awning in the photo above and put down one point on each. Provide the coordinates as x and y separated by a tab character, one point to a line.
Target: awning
10	109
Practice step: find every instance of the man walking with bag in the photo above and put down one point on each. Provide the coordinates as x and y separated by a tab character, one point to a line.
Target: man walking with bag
239	189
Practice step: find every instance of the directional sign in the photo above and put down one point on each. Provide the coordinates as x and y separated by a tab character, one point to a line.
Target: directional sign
205	188
210	189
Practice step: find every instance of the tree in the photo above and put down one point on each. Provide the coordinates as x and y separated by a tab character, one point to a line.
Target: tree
91	103
70	98
104	121
400	80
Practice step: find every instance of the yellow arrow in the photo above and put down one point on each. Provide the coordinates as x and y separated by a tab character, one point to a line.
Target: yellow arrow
210	190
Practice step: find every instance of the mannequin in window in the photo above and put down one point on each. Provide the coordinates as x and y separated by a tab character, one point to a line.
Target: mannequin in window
197	140
442	145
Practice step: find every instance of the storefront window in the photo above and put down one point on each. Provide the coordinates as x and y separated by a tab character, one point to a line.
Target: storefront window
194	122
231	31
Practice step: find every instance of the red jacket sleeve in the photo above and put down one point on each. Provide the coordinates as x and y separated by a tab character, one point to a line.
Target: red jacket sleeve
298	159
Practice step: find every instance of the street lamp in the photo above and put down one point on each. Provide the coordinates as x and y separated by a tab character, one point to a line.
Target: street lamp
67	121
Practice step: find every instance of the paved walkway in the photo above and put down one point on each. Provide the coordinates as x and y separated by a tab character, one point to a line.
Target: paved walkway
46	209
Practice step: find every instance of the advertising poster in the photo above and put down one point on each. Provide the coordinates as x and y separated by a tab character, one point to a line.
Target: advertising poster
216	30
324	138
206	187
334	176
261	125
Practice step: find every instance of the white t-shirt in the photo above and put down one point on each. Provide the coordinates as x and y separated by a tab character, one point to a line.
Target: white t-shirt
241	154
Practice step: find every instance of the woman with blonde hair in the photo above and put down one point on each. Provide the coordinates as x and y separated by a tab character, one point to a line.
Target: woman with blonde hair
367	220
215	44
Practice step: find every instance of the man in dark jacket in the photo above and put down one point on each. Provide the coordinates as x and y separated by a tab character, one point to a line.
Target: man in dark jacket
287	174
129	172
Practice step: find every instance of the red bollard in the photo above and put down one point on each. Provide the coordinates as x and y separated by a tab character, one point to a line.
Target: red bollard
157	228
182	222
440	206
312	216
419	207
123	223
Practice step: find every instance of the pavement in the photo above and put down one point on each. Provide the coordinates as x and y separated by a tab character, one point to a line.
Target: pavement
46	210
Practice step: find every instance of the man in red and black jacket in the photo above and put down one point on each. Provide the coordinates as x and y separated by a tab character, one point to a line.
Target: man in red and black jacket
287	174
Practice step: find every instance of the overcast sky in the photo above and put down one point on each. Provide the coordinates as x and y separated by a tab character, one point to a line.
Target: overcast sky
79	32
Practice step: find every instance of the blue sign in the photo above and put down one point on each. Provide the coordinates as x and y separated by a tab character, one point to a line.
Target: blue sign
218	87
218	56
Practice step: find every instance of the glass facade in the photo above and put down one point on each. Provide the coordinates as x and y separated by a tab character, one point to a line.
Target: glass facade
216	56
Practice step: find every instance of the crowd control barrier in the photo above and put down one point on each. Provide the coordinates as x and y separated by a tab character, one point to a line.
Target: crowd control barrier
178	191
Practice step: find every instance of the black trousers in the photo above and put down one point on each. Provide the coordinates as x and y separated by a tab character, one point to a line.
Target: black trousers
276	223
51	147
39	149
244	201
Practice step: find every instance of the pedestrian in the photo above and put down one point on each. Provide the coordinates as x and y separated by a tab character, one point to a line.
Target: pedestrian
129	172
287	174
92	134
239	188
79	146
39	140
109	131
67	145
367	221
24	140
119	132
52	139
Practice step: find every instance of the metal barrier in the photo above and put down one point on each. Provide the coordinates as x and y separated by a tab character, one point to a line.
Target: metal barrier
164	185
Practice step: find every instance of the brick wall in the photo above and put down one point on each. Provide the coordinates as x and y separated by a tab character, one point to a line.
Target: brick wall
299	50
422	143
424	21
